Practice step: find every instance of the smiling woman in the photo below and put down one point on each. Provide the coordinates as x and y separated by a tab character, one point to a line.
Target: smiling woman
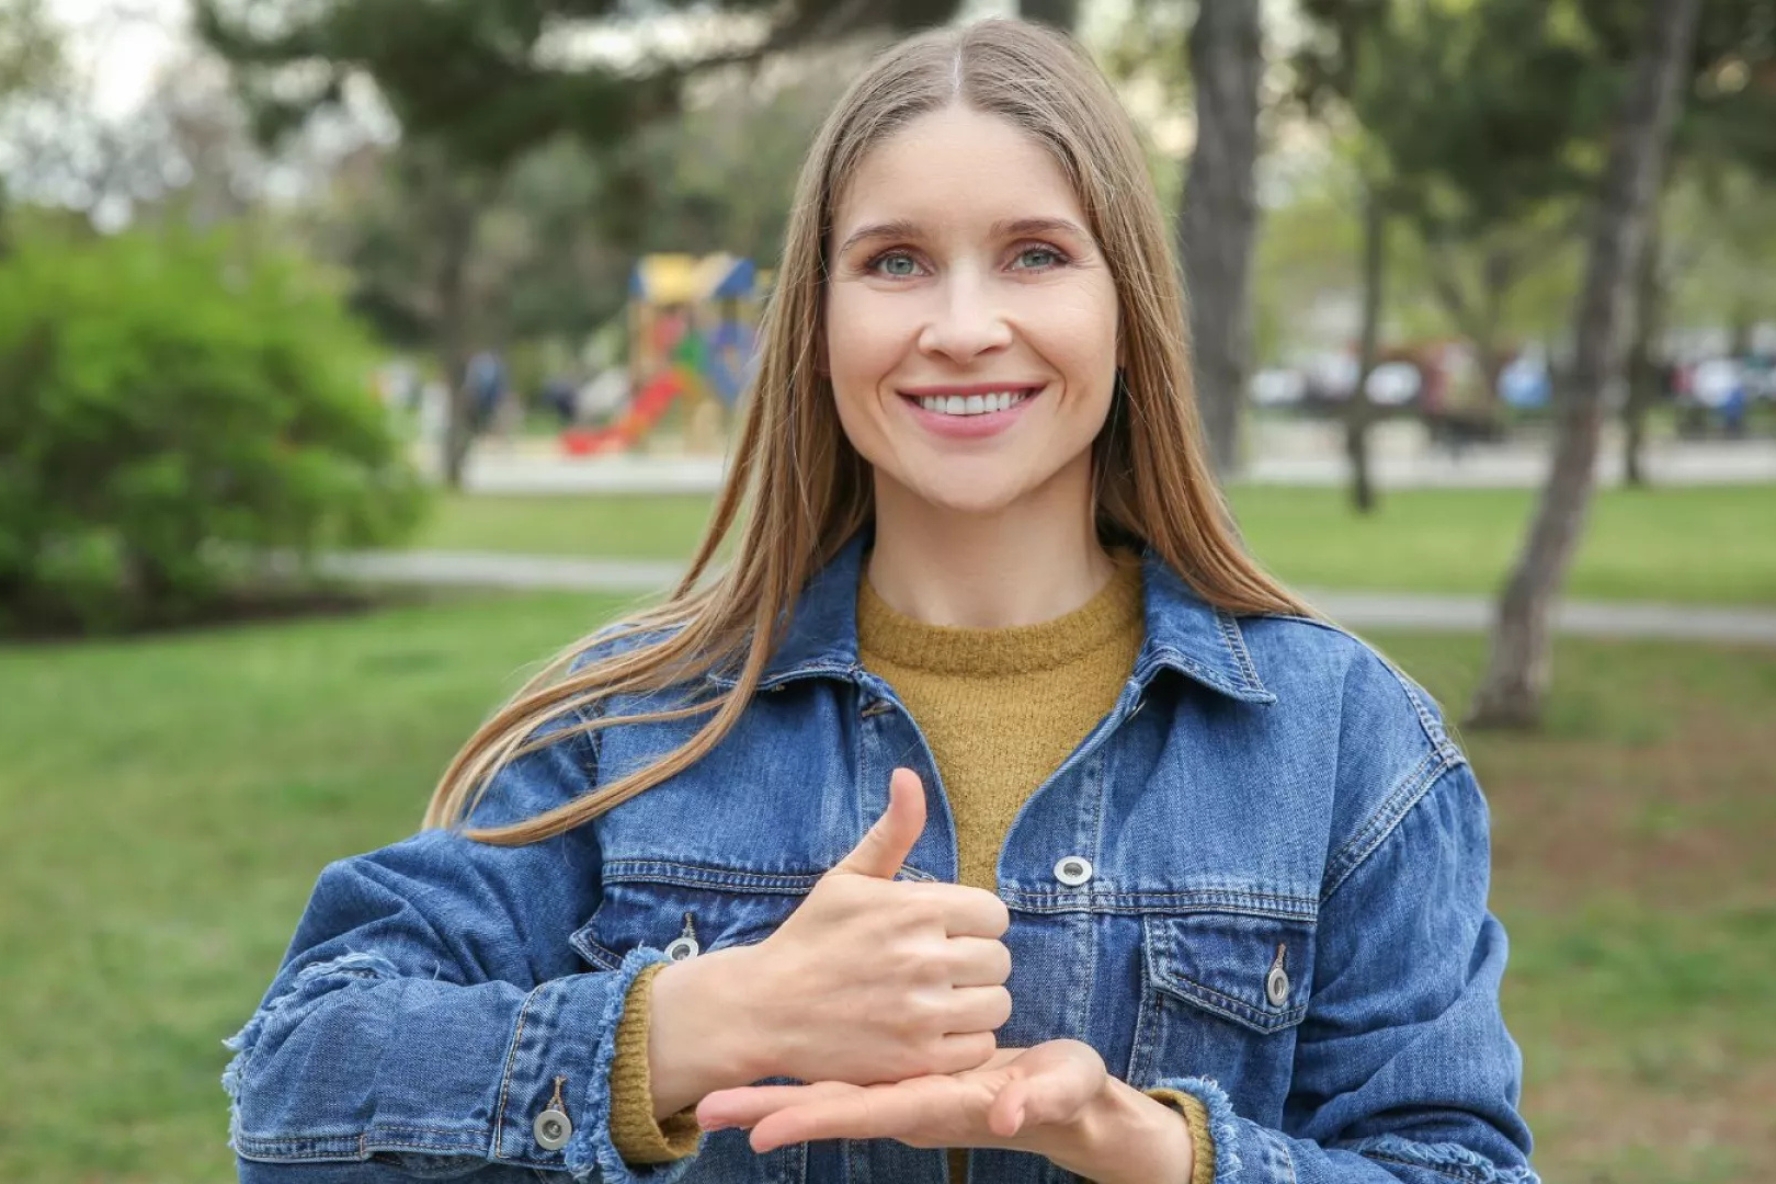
992	814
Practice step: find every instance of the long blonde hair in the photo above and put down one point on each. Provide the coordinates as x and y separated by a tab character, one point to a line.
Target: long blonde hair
805	491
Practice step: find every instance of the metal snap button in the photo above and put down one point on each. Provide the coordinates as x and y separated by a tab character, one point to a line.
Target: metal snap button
1276	986
1073	870
553	1128
681	948
1276	983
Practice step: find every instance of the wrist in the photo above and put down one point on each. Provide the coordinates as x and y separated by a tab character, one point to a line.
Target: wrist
702	1036
1124	1137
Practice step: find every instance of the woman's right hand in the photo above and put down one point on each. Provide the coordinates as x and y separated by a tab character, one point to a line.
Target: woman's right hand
871	979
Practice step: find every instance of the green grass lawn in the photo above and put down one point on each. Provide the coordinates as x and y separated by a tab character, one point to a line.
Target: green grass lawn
1691	545
169	802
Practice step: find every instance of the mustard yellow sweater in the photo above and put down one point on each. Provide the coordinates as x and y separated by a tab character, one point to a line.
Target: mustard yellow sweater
1001	709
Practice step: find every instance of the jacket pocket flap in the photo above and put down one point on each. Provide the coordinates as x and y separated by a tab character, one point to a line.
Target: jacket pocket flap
1254	970
676	918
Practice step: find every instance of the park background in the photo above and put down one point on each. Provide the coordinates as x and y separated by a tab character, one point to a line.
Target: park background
321	341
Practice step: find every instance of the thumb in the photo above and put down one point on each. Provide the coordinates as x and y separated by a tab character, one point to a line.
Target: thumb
888	843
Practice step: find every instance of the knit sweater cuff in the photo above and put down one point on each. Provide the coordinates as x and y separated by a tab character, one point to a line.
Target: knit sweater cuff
639	1137
1196	1117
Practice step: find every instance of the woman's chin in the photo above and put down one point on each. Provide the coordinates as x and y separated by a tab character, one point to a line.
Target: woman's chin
973	500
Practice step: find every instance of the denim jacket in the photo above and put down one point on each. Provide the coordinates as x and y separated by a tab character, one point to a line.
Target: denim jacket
1261	879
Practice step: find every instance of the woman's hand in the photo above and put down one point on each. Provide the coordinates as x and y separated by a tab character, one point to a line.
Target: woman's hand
869	980
1007	1102
1054	1100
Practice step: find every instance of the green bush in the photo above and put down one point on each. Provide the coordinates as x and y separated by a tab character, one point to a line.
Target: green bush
179	415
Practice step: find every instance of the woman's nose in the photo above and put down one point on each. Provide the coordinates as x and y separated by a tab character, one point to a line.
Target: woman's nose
965	322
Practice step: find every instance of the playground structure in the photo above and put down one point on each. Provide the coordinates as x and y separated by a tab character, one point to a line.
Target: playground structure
692	326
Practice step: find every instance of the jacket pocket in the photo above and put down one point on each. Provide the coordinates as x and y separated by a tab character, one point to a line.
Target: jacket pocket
1221	996
684	910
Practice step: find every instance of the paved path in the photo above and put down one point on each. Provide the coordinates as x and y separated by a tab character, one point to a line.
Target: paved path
1306	455
1356	610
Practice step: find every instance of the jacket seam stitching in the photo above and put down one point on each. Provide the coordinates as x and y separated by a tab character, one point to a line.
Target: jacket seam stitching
1387	818
499	1121
1235	641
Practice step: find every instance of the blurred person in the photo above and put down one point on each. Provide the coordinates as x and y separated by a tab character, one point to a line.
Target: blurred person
560	393
486	380
992	799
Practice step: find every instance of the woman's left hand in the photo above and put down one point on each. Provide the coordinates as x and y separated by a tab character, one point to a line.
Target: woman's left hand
1014	1100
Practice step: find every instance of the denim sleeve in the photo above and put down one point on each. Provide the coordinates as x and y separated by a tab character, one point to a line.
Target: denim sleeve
430	1006
1403	1070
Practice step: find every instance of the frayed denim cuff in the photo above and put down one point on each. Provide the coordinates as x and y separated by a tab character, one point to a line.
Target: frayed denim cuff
1247	1153
1224	1125
591	1154
1449	1161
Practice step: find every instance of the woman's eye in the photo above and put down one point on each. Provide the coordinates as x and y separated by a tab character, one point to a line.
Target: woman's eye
1037	258
900	266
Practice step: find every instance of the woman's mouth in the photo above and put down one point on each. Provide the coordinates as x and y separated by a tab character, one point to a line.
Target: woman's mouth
982	403
969	413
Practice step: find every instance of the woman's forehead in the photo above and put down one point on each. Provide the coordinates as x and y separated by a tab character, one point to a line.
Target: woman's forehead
957	170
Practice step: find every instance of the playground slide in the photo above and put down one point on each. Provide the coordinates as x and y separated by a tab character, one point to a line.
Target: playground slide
643	412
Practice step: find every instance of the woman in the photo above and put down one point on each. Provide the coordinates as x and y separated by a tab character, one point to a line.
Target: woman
992	800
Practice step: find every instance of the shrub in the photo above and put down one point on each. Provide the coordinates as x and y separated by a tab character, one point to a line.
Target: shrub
176	410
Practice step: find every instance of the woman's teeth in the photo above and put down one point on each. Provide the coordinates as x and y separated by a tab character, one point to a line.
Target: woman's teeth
973	404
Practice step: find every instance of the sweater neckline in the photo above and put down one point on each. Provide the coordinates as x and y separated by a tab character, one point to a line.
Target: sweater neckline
890	636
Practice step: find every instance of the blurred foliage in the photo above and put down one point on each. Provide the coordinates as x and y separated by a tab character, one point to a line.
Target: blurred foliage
492	79
30	50
1483	124
174	410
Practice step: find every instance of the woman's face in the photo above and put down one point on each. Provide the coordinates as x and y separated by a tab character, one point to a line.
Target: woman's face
971	323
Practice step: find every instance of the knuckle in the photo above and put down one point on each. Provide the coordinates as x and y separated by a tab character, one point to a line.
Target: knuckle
1001	917
968	1052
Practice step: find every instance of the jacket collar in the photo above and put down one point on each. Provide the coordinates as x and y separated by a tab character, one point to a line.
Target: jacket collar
1184	633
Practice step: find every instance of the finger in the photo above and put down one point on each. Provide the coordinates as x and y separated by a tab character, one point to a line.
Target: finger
978	961
1005	1117
1069	1076
745	1105
960	1052
967	912
978	1009
887	844
1056	1097
900	1111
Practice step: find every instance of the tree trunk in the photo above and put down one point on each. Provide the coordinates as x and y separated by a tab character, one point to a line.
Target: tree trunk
1220	213
1062	14
1520	663
456	240
1643	366
1359	414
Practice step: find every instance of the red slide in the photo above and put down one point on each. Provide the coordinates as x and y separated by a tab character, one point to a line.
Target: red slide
643	412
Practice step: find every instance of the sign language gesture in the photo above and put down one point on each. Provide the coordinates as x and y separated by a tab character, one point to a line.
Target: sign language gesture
1007	1102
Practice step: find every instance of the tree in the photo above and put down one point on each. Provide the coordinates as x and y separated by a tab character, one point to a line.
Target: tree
1354	64
1062	14
1519	665
1220	214
1430	81
477	84
1720	160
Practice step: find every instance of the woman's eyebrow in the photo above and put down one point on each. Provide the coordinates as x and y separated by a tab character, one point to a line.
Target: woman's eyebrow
1005	228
